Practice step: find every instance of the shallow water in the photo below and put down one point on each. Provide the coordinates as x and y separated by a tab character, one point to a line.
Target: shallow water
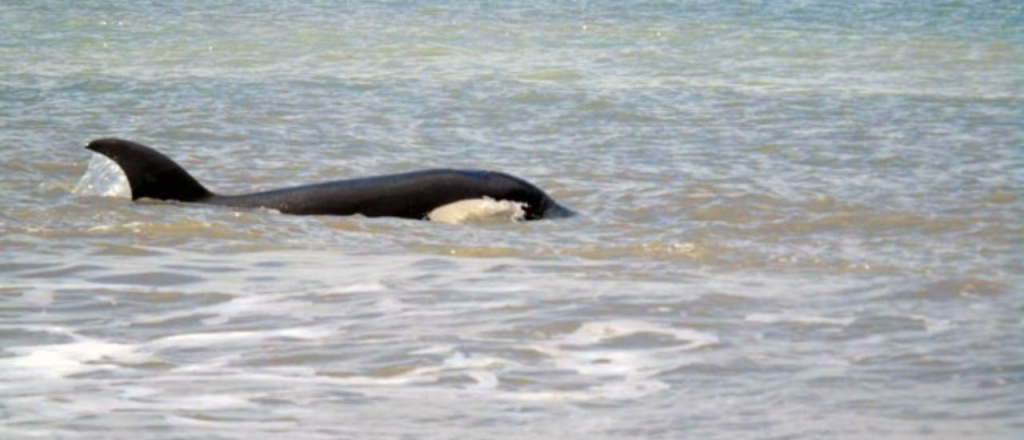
799	219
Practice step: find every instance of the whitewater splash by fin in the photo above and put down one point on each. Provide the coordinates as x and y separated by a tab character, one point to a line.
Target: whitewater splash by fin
104	178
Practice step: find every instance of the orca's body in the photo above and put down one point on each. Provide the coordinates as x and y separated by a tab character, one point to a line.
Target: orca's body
411	195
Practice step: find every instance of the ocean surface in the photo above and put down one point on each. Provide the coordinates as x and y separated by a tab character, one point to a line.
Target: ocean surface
799	219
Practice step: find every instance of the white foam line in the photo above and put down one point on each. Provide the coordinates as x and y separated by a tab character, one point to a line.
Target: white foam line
768	318
204	339
59	360
593	333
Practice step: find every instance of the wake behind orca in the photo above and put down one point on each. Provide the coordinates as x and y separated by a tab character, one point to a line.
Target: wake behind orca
413	195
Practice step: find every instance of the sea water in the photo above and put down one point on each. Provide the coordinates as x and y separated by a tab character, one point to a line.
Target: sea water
798	219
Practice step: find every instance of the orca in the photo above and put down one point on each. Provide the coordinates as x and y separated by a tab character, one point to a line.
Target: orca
412	195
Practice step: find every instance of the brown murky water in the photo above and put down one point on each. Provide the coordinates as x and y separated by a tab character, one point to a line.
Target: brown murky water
798	221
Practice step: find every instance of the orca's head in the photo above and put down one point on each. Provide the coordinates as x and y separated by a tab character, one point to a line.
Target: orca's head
547	208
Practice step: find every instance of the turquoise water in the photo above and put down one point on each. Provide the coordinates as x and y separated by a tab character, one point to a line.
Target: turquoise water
799	219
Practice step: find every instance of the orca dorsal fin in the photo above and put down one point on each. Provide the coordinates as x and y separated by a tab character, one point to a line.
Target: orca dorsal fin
150	173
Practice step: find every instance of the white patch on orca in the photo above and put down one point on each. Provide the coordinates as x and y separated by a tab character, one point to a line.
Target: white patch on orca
104	178
483	210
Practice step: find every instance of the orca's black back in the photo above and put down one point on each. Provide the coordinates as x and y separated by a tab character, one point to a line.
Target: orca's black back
407	195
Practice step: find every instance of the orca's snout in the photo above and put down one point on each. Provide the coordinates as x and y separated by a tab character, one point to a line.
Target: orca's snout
558	211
